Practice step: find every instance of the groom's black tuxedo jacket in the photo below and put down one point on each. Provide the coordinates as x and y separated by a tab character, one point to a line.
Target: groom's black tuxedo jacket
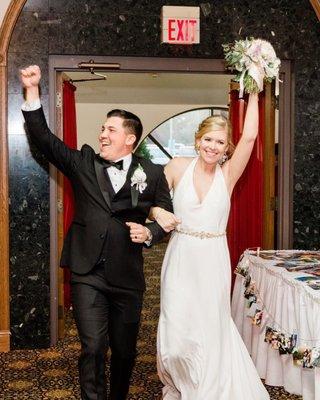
100	214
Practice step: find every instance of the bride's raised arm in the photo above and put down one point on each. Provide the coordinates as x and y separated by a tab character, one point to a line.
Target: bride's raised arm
241	155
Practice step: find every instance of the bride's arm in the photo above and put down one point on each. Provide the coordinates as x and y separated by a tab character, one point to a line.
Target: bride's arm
167	220
239	159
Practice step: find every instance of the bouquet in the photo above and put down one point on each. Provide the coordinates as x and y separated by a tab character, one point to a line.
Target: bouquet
255	62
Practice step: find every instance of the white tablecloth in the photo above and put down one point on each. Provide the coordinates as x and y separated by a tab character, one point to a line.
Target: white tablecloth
287	303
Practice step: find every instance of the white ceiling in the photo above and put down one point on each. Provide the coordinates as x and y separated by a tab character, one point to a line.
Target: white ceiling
152	88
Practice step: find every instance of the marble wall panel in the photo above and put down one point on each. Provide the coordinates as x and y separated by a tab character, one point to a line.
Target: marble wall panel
29	245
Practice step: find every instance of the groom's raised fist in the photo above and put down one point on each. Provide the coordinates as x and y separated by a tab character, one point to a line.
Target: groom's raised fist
30	76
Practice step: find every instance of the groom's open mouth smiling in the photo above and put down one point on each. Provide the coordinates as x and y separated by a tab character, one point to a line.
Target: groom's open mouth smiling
105	144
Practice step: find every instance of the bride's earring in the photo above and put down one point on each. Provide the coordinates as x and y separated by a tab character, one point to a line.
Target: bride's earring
197	147
223	159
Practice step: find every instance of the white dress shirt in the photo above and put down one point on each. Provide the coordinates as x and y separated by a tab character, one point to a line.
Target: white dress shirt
118	177
31	106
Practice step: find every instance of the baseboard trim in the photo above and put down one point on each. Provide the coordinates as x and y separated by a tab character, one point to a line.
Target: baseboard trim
4	341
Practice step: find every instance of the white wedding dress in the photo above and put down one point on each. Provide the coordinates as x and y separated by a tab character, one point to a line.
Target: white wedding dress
201	355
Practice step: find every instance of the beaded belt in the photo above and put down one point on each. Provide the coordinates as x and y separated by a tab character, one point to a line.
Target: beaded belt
201	234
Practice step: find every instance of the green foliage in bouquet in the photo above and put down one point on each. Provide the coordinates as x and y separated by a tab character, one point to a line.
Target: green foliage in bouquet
254	61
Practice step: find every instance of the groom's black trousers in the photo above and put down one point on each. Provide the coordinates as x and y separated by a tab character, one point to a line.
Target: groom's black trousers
105	316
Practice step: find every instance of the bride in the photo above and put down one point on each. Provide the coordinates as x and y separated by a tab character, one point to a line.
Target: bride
201	355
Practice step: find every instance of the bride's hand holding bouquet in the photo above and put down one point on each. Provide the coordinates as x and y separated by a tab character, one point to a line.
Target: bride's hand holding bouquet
255	62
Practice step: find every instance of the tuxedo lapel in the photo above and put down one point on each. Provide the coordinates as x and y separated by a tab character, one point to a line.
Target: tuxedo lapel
102	182
134	190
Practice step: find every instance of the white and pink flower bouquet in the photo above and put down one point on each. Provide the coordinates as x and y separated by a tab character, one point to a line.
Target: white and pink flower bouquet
255	62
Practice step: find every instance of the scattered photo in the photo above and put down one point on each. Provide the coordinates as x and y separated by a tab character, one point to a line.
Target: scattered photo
268	335
271	337
293	342
302	357
252	310
284	344
257	318
249	292
315	357
293	266
306	278
293	260
315	285
313	271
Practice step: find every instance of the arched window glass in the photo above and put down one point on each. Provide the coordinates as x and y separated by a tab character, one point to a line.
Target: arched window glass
175	137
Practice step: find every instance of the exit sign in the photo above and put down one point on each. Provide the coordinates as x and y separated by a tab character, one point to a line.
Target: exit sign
180	25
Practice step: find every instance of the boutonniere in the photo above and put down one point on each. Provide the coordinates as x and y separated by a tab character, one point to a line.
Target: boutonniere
138	179
138	184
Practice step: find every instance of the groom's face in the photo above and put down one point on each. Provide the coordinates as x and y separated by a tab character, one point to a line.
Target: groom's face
115	141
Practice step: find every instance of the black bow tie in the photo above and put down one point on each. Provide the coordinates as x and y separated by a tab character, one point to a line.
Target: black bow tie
117	164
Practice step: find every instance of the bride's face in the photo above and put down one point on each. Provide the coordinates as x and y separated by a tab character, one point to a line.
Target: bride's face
213	145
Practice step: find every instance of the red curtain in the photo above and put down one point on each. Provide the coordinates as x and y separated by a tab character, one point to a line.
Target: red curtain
245	227
70	139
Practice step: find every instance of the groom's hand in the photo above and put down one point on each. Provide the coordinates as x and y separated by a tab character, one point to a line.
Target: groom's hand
138	232
30	79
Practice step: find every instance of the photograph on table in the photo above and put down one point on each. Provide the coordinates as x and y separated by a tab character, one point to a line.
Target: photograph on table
302	357
315	285
305	278
313	271
311	281
300	261
315	357
284	344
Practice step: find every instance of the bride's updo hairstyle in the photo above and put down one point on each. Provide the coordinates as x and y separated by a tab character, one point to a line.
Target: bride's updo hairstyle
216	123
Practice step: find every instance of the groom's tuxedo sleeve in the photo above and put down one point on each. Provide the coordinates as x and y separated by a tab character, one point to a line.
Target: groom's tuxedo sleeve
60	155
163	200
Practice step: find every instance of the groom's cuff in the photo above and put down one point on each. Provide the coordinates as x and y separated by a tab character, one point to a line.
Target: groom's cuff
149	238
32	106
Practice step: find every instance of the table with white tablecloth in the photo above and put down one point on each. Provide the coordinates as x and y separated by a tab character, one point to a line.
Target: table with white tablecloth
288	305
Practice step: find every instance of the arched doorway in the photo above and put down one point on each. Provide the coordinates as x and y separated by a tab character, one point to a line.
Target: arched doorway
163	142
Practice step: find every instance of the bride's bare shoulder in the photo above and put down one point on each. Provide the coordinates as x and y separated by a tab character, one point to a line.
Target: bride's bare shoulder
176	167
180	162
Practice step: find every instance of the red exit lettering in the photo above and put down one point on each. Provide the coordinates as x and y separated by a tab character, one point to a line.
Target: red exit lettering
181	30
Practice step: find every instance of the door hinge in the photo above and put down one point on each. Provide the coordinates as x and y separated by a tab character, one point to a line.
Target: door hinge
60	206
58	100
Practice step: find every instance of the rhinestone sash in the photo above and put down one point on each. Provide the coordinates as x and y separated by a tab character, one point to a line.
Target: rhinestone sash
201	234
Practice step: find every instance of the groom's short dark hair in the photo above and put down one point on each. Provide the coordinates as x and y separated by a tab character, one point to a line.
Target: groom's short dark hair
130	121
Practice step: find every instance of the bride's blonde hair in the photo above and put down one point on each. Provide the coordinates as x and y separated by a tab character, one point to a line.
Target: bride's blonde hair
216	123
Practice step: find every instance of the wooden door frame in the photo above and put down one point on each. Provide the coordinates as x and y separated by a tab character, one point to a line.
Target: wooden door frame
59	64
6	29
285	169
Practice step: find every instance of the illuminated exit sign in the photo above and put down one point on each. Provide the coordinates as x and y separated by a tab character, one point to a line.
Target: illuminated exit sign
180	25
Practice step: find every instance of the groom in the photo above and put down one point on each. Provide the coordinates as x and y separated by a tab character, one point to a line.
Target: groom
113	194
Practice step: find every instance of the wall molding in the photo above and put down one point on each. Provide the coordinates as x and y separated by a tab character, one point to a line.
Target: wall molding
6	30
316	6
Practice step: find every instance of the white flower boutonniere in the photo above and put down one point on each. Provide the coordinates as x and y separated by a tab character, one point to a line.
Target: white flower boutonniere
138	179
